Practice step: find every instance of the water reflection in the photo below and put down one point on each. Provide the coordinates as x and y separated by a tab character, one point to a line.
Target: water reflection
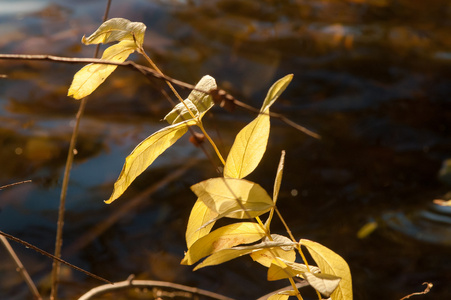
370	76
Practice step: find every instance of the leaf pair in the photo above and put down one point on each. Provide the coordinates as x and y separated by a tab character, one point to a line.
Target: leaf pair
130	36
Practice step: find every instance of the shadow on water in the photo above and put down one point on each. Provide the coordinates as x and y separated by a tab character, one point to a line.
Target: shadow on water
372	77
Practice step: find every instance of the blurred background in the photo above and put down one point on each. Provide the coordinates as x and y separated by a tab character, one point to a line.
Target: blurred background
372	77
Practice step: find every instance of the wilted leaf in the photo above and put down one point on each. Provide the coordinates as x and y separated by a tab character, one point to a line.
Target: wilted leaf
144	155
323	283
91	76
281	269
222	238
331	263
117	29
230	196
275	91
232	253
200	214
198	102
283	248
248	148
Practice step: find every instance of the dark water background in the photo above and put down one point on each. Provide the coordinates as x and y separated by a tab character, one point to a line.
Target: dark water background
372	77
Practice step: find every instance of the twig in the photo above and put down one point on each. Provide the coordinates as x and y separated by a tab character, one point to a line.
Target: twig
13	184
65	185
28	245
21	269
130	283
146	71
426	290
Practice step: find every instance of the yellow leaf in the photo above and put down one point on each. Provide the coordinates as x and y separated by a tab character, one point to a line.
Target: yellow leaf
229	196
222	238
331	263
277	183
281	269
224	255
248	148
275	91
198	102
117	29
91	76
278	296
200	214
323	283
144	154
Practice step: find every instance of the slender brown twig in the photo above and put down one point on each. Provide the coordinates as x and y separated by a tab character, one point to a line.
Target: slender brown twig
426	290
146	284
20	268
13	184
150	72
28	245
65	185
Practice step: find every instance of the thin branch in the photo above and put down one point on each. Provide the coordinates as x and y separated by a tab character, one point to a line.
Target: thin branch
21	269
13	184
131	284
146	71
65	185
426	290
28	245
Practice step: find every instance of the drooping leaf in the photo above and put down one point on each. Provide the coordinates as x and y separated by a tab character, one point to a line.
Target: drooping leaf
198	102
248	148
200	214
331	263
277	183
284	250
144	155
222	238
116	30
323	283
281	269
280	296
275	91
227	254
231	196
91	76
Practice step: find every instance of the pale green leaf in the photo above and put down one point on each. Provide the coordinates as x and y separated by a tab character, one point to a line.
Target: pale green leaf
198	102
248	148
144	155
331	263
231	253
117	29
277	183
323	283
222	238
275	91
200	214
91	76
236	198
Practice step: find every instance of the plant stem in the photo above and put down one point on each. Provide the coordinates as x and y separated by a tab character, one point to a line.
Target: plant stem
199	122
21	269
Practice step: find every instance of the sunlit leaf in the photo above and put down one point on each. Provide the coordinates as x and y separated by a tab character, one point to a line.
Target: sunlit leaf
117	29
283	248
224	255
230	196
279	296
281	269
248	148
275	91
323	283
331	263
222	238
198	102
91	76
144	155
277	183
200	214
